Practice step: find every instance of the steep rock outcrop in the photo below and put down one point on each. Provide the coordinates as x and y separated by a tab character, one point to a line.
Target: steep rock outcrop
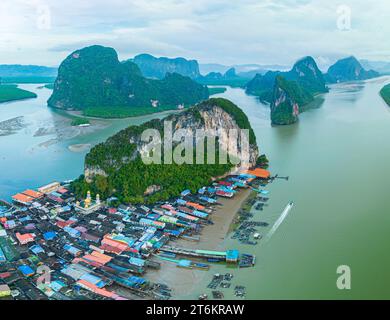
287	102
348	69
118	160
305	72
152	67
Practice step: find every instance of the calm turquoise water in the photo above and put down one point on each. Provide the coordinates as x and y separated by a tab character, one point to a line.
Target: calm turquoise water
338	160
25	163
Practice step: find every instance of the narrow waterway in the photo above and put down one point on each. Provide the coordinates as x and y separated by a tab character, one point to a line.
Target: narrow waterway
337	158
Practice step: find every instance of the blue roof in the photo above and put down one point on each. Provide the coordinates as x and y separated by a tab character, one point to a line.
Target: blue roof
26	270
93	279
26	218
181	201
184	263
56	194
2	256
186	192
57	285
72	232
71	249
137	261
232	254
50	235
173	232
37	249
137	279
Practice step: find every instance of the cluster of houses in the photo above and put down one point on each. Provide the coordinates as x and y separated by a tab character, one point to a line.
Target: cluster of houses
54	246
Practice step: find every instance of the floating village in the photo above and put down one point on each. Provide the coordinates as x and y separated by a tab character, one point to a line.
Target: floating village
54	246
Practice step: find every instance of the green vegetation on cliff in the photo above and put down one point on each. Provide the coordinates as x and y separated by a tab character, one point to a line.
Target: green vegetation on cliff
94	81
121	172
288	97
12	93
305	73
385	93
289	93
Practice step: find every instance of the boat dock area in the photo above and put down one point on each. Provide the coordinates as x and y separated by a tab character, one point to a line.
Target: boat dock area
195	253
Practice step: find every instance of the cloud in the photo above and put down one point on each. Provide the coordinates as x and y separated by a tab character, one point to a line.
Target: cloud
228	32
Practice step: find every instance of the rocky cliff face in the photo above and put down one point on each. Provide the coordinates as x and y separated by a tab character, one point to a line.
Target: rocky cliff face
287	101
349	69
308	75
152	67
305	73
214	114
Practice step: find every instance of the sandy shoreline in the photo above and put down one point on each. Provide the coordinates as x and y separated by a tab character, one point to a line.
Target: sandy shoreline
184	281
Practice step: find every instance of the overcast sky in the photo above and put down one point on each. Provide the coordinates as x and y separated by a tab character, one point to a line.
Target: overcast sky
220	31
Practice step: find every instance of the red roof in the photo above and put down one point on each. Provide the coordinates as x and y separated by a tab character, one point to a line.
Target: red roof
24	238
32	194
5	275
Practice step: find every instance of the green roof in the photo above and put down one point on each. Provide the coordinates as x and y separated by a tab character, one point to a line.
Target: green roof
214	253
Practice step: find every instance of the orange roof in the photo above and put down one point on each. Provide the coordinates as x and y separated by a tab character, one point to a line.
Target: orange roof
115	243
195	205
22	198
32	194
260	173
101	256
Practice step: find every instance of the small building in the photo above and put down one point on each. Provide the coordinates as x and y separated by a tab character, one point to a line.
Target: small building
26	270
232	256
2	256
33	194
5	291
51	187
25	238
22	199
50	235
88	205
259	173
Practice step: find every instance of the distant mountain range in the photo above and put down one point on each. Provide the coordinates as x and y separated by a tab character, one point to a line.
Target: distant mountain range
95	81
17	70
156	68
152	67
382	67
348	69
289	92
243	70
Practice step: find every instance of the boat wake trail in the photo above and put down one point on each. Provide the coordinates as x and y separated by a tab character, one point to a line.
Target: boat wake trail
279	221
